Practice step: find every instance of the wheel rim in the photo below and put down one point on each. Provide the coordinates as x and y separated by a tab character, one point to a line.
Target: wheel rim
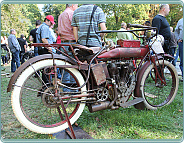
157	94
34	109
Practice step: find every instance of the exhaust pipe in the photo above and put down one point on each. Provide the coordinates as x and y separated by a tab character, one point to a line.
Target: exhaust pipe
97	107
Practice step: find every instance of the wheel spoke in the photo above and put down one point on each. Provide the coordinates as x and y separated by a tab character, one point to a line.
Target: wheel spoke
157	94
37	99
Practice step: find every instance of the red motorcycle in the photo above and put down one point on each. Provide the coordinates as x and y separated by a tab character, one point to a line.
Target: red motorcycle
114	76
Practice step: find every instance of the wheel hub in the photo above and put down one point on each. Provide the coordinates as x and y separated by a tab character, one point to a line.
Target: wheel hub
49	100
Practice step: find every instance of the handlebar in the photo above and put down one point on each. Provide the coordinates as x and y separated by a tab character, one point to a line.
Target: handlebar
138	26
144	28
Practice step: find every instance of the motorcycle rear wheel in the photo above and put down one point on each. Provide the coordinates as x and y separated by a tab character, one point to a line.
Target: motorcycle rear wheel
156	94
33	104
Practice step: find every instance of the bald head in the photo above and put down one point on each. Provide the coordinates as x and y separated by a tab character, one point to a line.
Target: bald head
123	25
164	9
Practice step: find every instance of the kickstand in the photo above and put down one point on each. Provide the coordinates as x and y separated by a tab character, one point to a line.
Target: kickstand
71	132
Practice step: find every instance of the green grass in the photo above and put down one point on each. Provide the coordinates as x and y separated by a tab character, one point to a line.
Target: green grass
11	128
130	123
123	123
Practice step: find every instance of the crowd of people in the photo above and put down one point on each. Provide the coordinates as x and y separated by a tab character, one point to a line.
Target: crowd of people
79	25
4	50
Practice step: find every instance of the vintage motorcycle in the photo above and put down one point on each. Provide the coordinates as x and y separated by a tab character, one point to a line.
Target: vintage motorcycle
114	76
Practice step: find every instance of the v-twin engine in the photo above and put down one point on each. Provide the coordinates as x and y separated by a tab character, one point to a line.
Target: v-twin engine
121	72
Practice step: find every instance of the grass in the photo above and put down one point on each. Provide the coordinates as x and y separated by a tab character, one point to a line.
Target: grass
123	123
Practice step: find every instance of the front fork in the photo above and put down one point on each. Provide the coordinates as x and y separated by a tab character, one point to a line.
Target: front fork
159	71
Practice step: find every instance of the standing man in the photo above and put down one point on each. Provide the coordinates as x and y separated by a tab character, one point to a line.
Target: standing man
32	37
123	35
179	38
65	29
163	26
43	34
23	46
14	49
81	22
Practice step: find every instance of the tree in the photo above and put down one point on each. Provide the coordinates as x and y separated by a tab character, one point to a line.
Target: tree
12	18
128	13
31	12
54	10
176	13
20	17
136	14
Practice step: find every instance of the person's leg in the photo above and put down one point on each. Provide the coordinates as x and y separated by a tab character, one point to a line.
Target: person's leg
171	52
6	59
66	76
166	46
176	57
35	51
13	67
180	44
21	58
3	59
17	59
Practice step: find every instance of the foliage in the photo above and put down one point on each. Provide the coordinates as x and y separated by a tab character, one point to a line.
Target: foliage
12	18
128	13
136	14
20	17
31	12
176	13
54	10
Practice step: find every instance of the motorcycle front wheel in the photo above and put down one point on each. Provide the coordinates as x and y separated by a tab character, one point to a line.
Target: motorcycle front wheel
33	104
156	94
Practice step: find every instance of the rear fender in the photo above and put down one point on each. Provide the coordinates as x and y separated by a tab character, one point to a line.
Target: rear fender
34	60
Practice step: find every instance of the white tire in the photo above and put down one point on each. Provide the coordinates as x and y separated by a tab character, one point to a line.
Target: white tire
158	95
17	99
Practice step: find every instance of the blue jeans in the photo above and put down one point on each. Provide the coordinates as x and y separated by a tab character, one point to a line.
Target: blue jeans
67	78
180	44
171	52
15	59
4	59
36	51
176	57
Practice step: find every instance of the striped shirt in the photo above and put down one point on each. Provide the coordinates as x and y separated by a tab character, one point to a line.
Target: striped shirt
81	19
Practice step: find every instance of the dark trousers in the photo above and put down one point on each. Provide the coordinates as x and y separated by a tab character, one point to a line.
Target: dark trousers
172	52
15	59
180	44
21	57
166	46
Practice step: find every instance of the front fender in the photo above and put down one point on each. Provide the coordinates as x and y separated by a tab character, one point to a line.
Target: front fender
165	56
34	60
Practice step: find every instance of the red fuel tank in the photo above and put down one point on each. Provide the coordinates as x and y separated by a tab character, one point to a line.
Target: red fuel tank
125	53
